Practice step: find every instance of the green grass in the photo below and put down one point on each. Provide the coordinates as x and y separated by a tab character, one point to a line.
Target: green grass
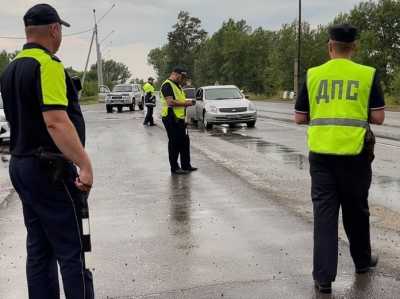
392	103
89	100
264	97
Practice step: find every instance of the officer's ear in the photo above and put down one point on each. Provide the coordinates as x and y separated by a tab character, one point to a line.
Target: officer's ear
330	48
53	30
355	47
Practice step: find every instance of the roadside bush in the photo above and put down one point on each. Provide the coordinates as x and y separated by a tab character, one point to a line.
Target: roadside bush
393	93
90	89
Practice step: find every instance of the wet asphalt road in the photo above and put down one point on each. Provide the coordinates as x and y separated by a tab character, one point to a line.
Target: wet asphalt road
240	227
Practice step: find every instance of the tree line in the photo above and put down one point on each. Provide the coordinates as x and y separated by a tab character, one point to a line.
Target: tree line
262	61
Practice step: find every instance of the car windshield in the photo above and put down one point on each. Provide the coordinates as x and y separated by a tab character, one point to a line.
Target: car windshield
122	88
190	93
223	94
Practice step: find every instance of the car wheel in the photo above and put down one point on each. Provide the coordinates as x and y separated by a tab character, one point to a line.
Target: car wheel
109	108
132	106
206	124
251	124
120	109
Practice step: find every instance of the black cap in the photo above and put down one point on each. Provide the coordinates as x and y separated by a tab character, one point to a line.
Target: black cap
344	33
42	14
150	79
181	71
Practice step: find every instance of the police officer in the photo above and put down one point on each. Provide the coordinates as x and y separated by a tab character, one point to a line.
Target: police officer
41	105
174	102
149	100
338	101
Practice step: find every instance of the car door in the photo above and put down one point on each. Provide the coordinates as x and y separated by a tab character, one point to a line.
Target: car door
199	104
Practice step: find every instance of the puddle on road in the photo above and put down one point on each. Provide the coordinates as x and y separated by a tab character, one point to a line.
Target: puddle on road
276	151
384	189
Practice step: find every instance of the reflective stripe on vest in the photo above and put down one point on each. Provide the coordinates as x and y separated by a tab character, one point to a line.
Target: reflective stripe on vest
339	122
339	92
179	96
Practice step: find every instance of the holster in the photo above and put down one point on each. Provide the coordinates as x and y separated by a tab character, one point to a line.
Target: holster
54	164
369	144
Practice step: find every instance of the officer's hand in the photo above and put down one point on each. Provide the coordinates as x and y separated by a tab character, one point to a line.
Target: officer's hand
188	103
84	181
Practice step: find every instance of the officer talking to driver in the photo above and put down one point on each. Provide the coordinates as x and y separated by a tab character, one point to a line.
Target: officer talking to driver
338	101
47	137
173	113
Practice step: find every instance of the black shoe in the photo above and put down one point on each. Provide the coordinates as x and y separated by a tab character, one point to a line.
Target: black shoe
179	171
191	168
372	264
325	288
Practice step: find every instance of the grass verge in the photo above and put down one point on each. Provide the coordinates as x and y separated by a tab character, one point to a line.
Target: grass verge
267	98
89	100
392	103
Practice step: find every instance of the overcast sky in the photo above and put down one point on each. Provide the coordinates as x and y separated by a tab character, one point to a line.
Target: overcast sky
141	25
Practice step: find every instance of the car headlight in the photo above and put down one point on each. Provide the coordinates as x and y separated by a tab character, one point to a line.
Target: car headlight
252	107
2	119
212	109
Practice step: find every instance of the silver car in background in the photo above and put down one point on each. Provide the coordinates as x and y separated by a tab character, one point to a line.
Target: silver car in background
223	104
124	95
4	128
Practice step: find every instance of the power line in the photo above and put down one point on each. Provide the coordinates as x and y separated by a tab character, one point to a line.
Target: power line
78	33
11	37
108	35
105	14
64	35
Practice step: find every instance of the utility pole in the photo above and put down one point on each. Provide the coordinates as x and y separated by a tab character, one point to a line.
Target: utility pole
298	63
99	59
87	60
95	35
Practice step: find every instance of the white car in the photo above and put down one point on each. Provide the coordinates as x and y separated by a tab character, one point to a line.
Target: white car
124	95
190	93
224	104
4	128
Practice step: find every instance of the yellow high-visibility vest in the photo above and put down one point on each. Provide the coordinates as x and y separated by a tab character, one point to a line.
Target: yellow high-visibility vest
179	96
148	88
339	92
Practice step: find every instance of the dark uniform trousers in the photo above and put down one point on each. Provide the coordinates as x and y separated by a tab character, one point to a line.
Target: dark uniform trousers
149	115
339	181
54	227
178	142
